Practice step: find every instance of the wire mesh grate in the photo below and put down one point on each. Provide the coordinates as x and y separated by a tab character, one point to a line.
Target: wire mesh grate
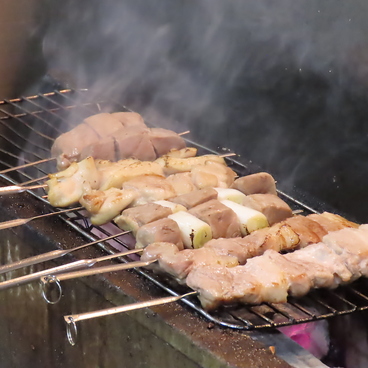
28	126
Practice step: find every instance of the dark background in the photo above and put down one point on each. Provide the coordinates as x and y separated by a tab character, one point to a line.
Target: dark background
283	84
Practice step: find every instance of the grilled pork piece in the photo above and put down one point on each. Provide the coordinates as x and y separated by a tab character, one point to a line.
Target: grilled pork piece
104	124
66	187
256	183
132	219
164	140
331	222
352	245
103	206
128	119
68	146
180	263
104	149
299	282
195	198
181	182
223	220
321	262
309	231
149	188
273	207
164	230
212	174
279	237
134	142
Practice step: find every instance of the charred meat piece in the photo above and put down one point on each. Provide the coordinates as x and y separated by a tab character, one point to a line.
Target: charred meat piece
273	207
223	220
150	188
309	231
164	230
195	198
256	183
164	140
132	219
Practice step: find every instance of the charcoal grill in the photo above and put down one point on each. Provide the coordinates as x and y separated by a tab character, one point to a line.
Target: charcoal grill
28	127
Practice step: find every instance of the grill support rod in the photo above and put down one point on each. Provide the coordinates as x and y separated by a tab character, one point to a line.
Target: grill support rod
71	327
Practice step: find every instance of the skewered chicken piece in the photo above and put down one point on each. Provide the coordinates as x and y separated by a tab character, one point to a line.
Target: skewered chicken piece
103	206
212	174
133	218
273	207
149	188
67	187
163	230
174	165
223	221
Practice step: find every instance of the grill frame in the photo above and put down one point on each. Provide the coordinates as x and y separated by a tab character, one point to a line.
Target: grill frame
34	112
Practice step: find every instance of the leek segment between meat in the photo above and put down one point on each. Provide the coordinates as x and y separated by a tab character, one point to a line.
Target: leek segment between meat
250	219
230	194
194	231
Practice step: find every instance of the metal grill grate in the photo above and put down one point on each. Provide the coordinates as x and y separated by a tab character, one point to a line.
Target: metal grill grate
28	126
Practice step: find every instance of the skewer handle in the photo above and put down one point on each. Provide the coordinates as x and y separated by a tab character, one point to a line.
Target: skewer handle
96	271
13	223
32	260
37	275
73	318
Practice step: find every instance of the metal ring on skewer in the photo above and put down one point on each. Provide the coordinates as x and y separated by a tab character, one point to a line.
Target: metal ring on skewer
47	280
71	327
71	331
47	292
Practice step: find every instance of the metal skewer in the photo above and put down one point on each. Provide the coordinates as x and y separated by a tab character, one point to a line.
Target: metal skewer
18	222
26	165
47	281
12	189
77	265
50	255
71	327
